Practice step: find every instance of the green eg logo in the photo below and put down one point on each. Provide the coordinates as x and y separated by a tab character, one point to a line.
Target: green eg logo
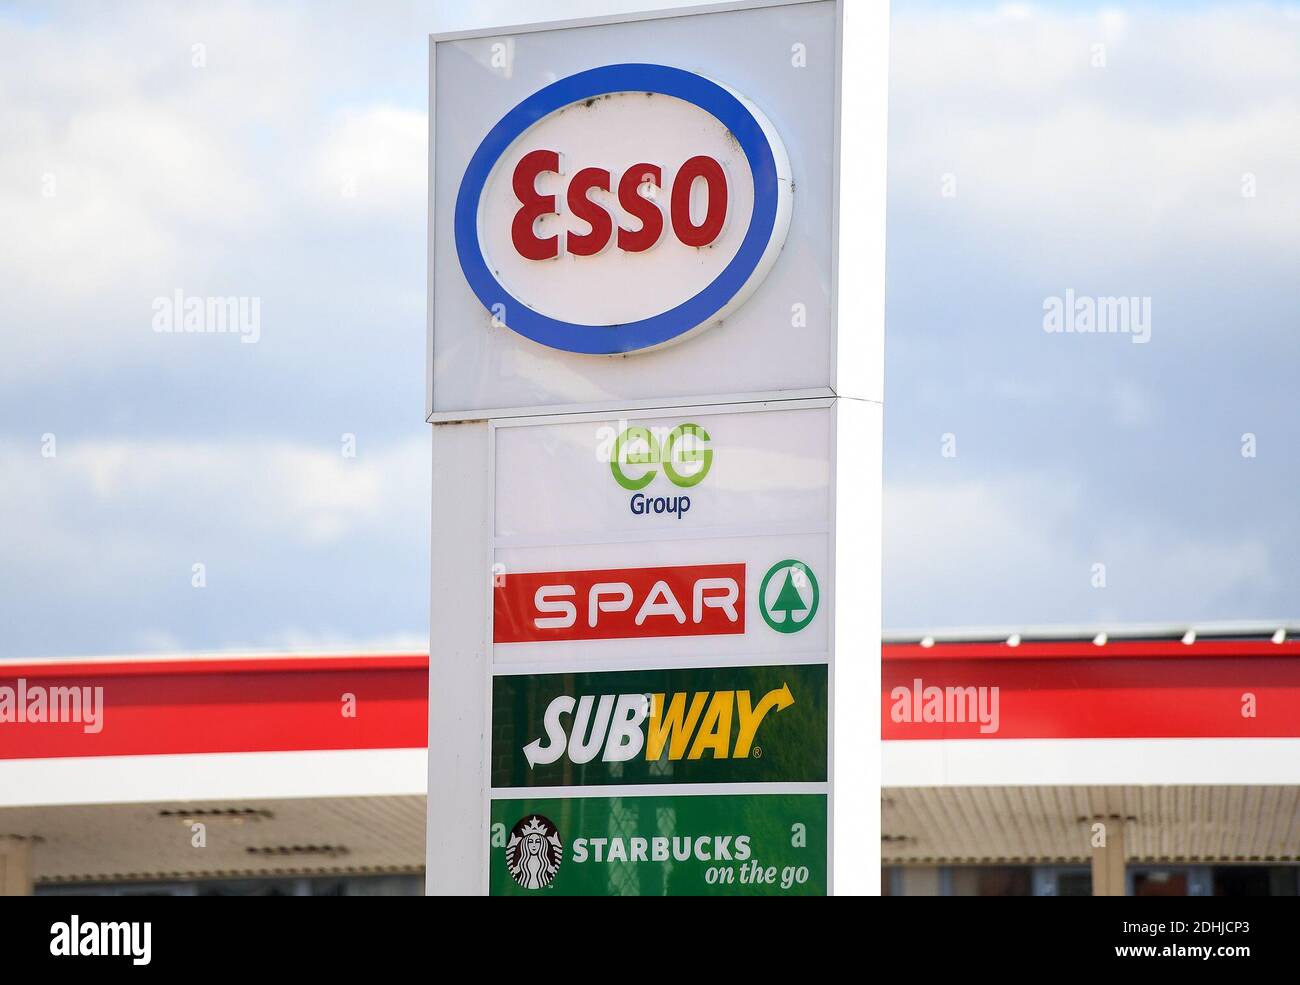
788	596
684	456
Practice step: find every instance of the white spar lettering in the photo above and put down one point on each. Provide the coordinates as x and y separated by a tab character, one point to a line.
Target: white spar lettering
618	596
545	604
595	604
726	602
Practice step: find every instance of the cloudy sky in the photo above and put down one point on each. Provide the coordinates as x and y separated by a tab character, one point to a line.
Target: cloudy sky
277	151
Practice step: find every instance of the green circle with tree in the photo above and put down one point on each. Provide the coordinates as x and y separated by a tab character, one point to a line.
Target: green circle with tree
789	600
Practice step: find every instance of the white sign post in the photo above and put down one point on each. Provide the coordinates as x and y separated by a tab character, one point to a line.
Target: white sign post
656	248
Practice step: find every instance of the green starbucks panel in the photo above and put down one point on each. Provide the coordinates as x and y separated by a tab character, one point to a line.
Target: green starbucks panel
704	845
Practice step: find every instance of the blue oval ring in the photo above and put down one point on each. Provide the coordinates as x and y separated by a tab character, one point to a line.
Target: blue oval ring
667	325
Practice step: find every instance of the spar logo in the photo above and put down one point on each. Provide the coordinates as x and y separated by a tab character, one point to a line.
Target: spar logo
684	725
622	209
631	603
620	603
788	596
639	456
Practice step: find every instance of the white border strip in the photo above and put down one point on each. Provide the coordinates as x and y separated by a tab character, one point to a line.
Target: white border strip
601	664
658	536
213	776
660	406
1089	762
704	7
659	790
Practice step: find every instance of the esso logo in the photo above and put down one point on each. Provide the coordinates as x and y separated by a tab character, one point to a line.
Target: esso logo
637	191
622	209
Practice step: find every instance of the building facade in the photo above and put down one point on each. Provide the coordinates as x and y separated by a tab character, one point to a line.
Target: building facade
1139	761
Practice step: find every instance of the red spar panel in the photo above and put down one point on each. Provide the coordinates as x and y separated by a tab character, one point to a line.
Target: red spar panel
619	603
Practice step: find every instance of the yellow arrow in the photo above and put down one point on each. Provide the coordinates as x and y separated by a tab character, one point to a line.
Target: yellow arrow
751	718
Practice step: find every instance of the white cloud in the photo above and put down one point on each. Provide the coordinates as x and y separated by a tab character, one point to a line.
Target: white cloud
1111	164
1019	550
1125	179
137	140
127	171
374	161
104	511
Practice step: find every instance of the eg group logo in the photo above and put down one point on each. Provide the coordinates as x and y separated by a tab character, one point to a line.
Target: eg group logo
664	601
638	456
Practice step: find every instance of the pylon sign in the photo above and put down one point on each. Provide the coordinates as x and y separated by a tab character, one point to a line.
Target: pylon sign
633	338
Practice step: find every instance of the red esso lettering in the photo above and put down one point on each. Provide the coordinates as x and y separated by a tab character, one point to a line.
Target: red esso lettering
577	199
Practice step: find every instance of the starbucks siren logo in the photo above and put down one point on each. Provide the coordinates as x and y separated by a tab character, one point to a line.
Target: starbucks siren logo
788	596
534	852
